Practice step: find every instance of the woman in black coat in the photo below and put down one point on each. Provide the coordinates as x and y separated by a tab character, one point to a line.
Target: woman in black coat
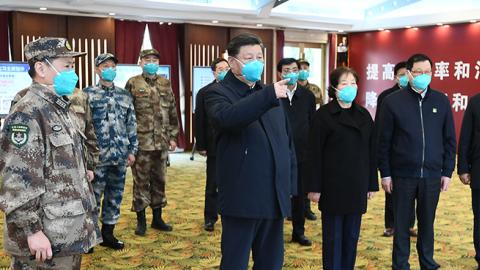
342	168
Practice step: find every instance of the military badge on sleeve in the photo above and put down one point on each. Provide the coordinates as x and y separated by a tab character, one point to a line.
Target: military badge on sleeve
19	134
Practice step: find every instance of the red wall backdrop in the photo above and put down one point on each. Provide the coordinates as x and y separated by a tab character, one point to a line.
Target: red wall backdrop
454	49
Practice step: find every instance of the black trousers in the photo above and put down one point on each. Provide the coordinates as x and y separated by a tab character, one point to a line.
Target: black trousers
476	223
298	205
426	192
211	208
389	220
264	237
340	235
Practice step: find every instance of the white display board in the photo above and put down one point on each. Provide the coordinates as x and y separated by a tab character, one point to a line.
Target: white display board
201	77
126	71
13	78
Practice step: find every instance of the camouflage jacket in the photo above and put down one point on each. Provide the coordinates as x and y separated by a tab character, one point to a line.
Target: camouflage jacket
84	118
114	123
157	121
317	92
43	177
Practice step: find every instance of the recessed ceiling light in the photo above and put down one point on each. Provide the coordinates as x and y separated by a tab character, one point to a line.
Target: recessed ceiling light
415	28
43	8
446	25
380	29
214	21
408	26
473	21
111	14
169	23
160	23
259	25
387	30
340	31
439	24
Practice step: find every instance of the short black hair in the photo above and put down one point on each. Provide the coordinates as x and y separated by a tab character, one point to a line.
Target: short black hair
399	66
419	57
214	63
241	40
286	62
335	78
31	66
303	62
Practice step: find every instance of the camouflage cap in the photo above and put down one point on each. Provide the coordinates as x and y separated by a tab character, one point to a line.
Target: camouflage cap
149	52
104	57
49	47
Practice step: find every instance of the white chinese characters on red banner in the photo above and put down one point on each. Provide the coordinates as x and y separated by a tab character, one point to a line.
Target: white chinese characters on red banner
453	50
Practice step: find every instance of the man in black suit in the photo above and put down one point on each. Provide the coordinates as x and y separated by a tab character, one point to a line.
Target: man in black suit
416	158
469	163
205	143
401	81
256	165
300	107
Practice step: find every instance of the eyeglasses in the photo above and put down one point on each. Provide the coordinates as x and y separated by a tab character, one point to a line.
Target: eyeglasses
420	72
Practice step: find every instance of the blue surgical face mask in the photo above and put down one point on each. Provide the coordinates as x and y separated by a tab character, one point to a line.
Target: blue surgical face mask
293	76
221	75
403	81
347	94
64	82
421	82
303	75
151	68
252	71
109	74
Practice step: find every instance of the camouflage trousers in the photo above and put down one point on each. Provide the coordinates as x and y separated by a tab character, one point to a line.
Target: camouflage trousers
110	182
149	180
60	263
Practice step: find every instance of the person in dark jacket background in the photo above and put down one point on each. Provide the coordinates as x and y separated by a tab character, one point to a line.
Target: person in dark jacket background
256	165
300	107
469	163
205	143
416	158
342	169
401	81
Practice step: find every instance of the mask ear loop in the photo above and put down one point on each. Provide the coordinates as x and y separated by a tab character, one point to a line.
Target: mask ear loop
51	65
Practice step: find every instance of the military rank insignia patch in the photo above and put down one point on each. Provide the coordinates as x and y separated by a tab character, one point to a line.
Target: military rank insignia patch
19	134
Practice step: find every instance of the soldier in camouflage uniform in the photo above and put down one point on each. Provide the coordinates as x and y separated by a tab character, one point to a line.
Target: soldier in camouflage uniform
303	81
48	201
116	132
157	130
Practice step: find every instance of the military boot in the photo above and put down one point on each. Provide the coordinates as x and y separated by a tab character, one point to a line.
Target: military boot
158	223
141	223
108	239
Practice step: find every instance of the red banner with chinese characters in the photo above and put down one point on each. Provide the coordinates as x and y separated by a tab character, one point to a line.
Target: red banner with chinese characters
454	50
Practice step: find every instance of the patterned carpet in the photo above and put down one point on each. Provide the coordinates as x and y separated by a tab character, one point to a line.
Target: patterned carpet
190	247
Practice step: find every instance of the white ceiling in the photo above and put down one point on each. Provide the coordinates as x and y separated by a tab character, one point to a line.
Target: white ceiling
324	15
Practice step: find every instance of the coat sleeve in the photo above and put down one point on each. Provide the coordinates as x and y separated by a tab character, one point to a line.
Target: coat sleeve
173	118
234	116
465	143
200	121
132	127
91	143
317	138
293	158
385	136
449	142
22	176
373	180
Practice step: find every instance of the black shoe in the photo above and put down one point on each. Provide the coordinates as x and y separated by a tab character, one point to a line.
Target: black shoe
209	226
108	239
310	215
158	223
302	240
141	223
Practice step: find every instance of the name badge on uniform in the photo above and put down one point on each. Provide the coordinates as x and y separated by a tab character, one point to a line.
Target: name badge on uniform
434	110
19	134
